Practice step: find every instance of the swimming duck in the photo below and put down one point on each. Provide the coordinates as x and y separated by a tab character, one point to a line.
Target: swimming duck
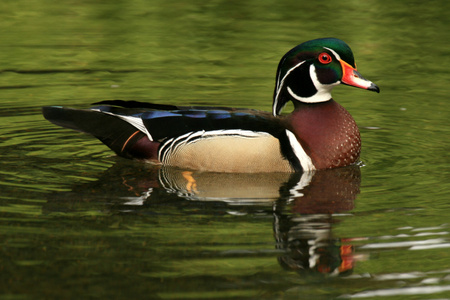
318	134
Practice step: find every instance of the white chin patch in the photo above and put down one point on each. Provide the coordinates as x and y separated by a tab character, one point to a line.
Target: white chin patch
323	90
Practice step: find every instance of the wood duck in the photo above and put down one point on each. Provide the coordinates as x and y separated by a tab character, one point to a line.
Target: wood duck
318	134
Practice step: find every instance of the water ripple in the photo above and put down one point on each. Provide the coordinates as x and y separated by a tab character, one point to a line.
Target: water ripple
403	244
401	291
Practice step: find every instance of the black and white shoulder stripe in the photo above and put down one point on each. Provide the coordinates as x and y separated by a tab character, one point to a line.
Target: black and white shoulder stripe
297	149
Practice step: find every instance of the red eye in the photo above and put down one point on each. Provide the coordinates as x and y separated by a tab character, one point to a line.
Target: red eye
325	58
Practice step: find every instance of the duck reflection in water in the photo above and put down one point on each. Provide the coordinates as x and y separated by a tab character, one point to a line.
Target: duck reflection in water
305	232
302	204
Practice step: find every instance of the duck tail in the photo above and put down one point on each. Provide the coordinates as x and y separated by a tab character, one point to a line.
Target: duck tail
115	132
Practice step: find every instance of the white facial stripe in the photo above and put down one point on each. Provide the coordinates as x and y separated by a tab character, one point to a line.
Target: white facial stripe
304	159
323	90
334	53
296	97
280	85
278	76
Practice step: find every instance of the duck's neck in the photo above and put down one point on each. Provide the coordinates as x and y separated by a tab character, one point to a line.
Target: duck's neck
327	132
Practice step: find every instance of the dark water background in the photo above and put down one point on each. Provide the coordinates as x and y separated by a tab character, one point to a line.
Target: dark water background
77	222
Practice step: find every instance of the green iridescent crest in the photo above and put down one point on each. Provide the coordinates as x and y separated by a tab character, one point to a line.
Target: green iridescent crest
310	49
308	71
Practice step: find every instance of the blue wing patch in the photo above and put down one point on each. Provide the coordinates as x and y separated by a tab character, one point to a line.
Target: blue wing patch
165	124
160	114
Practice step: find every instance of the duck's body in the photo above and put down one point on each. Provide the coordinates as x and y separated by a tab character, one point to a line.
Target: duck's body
318	134
334	141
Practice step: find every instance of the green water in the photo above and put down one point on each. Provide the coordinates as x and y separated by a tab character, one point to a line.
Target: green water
77	222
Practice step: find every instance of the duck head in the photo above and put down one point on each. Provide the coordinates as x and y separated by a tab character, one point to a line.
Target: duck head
309	71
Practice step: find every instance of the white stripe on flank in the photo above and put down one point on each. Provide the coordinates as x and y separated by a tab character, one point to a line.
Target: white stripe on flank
172	145
162	151
182	140
304	159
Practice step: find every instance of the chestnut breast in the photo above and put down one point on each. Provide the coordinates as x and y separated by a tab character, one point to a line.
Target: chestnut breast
327	133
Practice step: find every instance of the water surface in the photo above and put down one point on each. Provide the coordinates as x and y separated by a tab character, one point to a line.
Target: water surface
78	221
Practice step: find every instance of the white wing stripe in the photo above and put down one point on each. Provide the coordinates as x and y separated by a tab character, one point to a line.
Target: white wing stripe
134	121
